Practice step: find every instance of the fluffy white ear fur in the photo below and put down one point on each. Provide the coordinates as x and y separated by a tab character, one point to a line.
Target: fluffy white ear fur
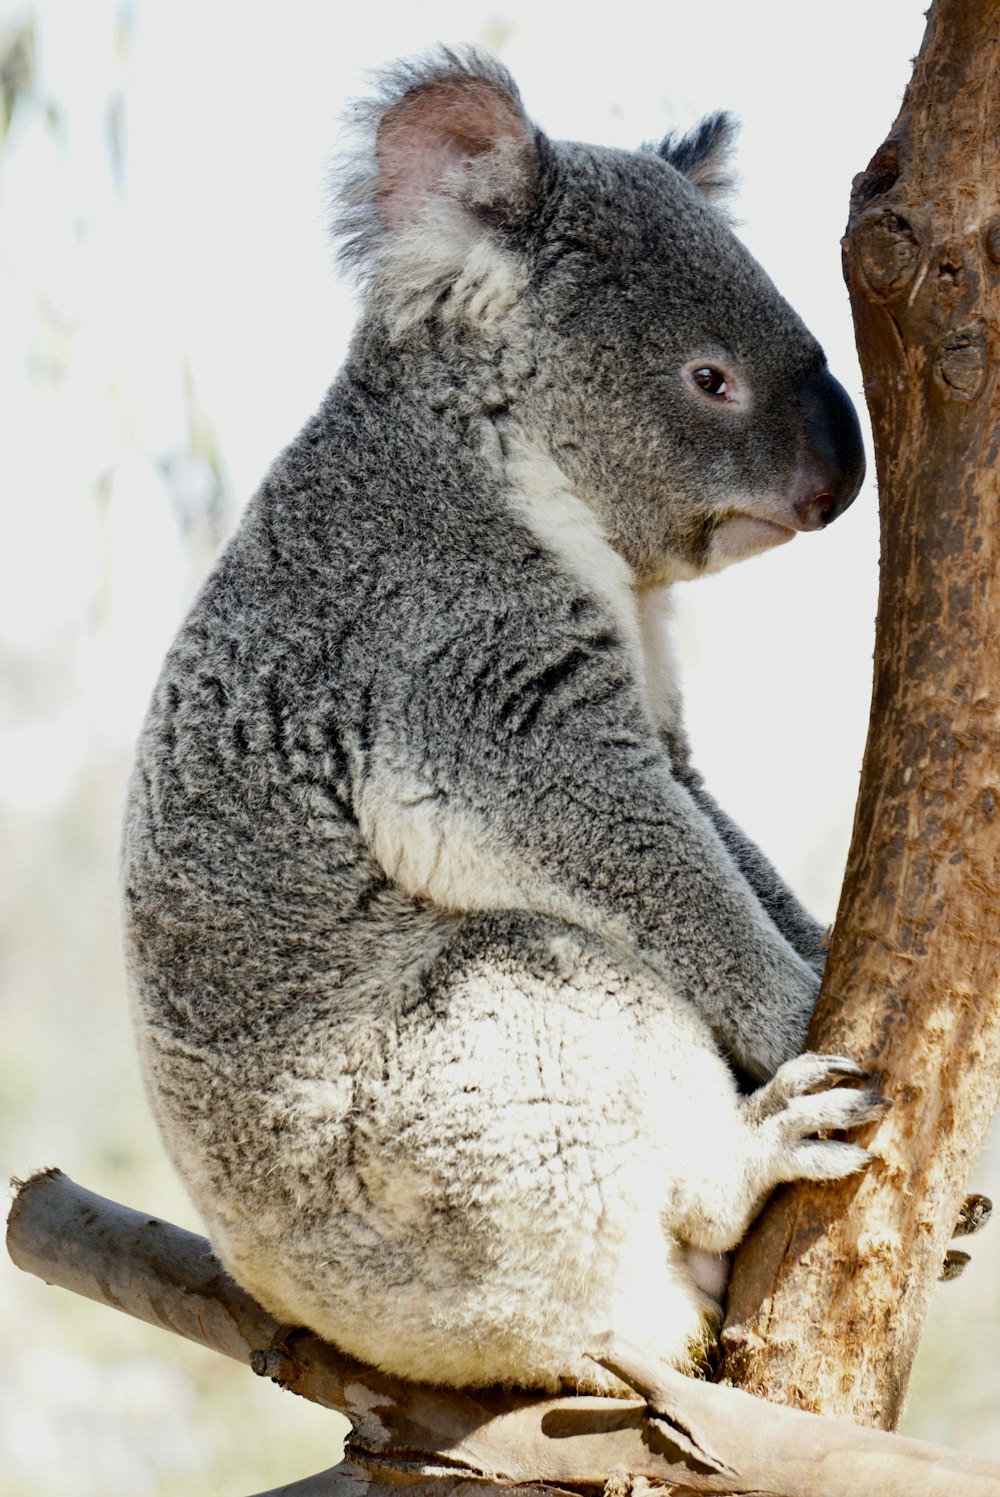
445	156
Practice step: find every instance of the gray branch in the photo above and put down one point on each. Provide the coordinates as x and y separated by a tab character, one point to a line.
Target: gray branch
695	1437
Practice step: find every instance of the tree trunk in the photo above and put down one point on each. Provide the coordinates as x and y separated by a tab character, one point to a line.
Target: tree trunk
830	1292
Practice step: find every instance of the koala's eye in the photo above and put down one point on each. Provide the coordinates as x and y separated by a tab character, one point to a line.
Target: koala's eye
719	384
712	381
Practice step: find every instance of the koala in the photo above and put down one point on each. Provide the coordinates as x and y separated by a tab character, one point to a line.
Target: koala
470	1020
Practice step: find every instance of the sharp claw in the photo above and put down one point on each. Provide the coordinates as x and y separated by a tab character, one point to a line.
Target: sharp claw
839	1065
847	1061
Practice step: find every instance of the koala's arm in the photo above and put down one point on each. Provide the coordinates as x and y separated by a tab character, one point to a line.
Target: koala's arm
796	924
549	790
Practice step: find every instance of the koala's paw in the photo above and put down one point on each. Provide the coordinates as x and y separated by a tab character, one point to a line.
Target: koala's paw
798	1077
794	1107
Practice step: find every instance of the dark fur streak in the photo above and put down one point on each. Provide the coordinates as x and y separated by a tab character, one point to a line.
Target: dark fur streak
275	709
215	686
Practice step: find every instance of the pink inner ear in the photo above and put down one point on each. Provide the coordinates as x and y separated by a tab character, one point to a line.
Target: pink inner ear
433	130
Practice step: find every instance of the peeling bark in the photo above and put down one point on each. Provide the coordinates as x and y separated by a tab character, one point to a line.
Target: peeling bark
830	1292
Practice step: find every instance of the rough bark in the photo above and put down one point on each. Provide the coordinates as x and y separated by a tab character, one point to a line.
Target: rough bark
438	1442
830	1292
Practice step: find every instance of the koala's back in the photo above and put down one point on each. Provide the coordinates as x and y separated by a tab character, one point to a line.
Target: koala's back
242	825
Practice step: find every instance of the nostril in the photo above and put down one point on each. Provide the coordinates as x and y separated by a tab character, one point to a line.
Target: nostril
816	511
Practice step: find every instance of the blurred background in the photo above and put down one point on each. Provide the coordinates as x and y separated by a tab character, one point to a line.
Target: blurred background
168	318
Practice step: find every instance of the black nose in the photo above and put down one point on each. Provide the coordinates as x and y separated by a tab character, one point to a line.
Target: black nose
835	454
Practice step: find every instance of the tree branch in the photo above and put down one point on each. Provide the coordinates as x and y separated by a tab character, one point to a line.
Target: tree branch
703	1439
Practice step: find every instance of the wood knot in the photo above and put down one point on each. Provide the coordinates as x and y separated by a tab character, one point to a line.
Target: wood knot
993	240
888	249
276	1363
881	176
973	1215
961	363
955	1264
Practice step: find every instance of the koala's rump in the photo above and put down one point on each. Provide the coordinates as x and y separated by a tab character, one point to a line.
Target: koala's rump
460	1176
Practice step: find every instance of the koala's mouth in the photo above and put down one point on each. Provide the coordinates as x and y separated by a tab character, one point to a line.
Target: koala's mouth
743	535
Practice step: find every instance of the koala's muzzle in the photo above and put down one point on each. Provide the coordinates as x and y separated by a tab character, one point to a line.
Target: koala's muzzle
833	465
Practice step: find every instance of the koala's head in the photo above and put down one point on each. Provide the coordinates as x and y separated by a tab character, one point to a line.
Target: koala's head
655	361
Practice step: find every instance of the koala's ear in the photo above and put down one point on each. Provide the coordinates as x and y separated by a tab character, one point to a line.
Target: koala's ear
444	154
463	136
704	155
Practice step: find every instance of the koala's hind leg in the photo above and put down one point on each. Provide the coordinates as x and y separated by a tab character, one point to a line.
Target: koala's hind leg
782	1122
547	1131
531	1137
537	1108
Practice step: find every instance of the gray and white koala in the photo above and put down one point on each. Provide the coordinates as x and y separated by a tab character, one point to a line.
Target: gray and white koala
445	964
